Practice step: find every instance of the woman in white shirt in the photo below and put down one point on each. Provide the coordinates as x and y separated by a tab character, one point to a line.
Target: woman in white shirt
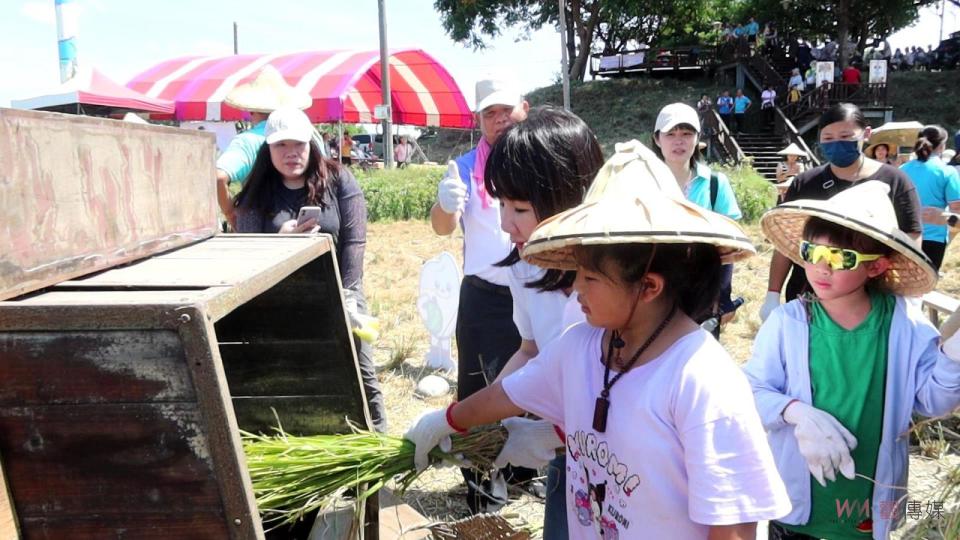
767	103
537	169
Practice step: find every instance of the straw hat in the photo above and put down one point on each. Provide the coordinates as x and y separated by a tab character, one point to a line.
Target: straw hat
870	151
864	208
267	93
634	199
793	150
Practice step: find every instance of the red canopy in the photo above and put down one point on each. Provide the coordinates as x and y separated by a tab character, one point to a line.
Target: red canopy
92	88
345	85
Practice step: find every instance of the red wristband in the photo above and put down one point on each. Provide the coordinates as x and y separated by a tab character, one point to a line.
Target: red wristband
449	417
560	434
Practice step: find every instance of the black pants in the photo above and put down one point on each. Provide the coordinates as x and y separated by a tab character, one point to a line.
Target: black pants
741	122
935	250
777	532
728	121
368	374
486	339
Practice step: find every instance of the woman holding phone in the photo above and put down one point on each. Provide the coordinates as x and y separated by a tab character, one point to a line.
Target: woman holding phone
291	174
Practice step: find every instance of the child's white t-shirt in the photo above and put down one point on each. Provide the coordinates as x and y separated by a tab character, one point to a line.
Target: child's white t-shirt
540	316
684	447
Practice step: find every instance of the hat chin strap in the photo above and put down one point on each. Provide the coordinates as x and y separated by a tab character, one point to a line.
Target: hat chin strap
615	339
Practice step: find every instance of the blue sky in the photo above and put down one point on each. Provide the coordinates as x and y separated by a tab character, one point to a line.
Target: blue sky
124	37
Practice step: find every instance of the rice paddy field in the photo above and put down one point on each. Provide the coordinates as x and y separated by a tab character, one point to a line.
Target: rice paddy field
395	252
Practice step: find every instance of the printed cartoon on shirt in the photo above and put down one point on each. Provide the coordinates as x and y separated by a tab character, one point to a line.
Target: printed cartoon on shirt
601	485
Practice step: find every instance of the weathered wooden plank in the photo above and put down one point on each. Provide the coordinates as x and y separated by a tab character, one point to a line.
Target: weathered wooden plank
63	296
142	526
299	415
301	305
92	367
80	194
221	427
288	368
107	458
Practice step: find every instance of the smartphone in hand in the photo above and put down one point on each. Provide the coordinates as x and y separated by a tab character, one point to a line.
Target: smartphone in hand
307	213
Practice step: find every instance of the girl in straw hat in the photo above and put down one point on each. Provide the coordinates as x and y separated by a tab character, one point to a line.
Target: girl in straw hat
787	170
837	376
662	436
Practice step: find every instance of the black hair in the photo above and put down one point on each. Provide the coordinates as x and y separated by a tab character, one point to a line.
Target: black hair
931	137
843	237
257	192
692	272
550	159
843	112
694	159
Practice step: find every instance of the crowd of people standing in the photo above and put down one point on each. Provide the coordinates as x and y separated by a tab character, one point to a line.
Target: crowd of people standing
585	286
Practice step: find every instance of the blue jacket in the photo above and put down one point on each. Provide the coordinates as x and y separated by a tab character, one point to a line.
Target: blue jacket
919	378
465	166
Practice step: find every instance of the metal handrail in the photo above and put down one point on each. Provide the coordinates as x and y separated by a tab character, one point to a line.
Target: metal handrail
724	137
794	136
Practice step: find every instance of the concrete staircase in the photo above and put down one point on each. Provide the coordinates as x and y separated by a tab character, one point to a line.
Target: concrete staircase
762	149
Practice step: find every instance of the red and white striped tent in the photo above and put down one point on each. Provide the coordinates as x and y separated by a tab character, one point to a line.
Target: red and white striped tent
345	86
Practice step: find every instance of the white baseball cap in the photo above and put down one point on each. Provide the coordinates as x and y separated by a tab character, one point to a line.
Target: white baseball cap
496	92
288	124
675	114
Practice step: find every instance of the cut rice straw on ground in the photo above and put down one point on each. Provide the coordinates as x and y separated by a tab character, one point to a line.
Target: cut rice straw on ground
293	475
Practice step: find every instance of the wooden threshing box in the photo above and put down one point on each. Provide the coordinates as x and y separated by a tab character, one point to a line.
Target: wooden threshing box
123	392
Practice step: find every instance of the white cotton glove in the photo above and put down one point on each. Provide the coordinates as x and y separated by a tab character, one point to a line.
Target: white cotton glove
950	337
452	193
530	443
823	441
429	431
947	331
366	327
770	303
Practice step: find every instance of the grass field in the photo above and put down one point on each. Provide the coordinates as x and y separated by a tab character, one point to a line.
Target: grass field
395	252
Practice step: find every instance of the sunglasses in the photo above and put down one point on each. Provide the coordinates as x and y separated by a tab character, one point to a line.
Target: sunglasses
837	258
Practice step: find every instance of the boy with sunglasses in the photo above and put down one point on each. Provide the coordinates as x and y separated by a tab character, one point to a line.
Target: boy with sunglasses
838	373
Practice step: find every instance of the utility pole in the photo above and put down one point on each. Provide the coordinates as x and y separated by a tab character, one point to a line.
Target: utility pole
385	87
564	68
235	47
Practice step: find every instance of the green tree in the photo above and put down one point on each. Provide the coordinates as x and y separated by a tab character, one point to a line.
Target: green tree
592	25
861	22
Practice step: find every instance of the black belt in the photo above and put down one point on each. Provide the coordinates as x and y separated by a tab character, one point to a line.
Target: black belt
485	285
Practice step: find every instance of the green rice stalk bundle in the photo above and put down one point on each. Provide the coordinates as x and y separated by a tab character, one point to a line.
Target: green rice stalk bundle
293	475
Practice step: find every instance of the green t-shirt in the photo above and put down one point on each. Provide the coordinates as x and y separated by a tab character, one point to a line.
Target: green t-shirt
847	376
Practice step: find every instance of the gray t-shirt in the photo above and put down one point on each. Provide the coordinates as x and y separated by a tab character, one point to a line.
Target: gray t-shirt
344	217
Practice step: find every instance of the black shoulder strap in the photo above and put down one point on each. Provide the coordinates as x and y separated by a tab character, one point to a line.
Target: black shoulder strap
714	189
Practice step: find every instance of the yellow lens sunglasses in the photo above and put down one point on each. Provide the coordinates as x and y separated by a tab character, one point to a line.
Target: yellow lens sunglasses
837	258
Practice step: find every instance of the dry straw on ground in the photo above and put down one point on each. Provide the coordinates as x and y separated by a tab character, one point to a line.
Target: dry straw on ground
395	252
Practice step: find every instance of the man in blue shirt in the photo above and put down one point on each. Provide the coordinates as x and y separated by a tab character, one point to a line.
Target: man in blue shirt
740	106
752	29
725	108
268	92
